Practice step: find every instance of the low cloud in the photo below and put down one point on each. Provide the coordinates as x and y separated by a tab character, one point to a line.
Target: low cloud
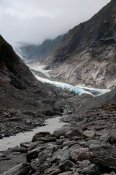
33	21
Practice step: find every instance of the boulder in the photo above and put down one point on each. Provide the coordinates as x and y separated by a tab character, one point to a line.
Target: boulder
21	169
53	171
67	173
80	154
66	165
89	134
33	154
75	133
111	137
40	135
104	156
61	132
84	163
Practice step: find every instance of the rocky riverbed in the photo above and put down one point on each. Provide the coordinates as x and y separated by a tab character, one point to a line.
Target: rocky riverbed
86	146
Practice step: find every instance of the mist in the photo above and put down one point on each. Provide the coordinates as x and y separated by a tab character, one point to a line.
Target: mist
33	21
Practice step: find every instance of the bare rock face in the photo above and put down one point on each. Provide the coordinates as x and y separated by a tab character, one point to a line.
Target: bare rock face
87	54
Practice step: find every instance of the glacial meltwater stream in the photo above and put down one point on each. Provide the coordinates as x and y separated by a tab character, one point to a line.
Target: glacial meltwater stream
53	123
12	141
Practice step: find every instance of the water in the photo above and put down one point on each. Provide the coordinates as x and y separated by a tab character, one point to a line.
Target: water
12	141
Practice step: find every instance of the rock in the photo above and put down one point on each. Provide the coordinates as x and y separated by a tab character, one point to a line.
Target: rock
18	149
84	164
53	171
80	154
21	169
66	165
89	134
61	132
29	145
111	137
92	142
46	139
33	154
65	156
1	136
75	132
67	173
40	135
93	146
90	169
104	156
62	155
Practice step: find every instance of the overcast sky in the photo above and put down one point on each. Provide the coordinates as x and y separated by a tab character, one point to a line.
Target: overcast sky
33	21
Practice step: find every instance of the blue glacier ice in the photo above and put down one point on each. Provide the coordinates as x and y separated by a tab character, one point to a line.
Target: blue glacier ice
78	90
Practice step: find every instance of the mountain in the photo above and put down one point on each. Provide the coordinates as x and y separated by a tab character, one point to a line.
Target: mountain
86	54
24	101
12	69
41	52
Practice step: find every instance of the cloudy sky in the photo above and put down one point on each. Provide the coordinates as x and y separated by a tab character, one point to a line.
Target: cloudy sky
33	21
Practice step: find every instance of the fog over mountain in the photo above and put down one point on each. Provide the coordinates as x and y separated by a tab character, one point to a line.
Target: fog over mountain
33	21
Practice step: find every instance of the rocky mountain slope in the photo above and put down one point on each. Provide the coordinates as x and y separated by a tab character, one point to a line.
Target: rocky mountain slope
86	54
23	100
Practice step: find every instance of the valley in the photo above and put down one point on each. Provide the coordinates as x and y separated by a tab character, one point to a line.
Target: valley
58	101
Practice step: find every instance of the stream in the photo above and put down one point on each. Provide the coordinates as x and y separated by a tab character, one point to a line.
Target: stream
53	123
12	141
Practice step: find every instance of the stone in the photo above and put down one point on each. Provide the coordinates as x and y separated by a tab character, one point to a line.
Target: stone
33	154
111	137
53	171
62	155
66	165
84	164
75	132
22	169
40	135
80	154
18	149
89	134
67	173
61	132
92	142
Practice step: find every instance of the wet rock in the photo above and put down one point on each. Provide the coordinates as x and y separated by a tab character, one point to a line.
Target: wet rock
39	135
33	154
21	169
80	154
61	132
66	165
18	149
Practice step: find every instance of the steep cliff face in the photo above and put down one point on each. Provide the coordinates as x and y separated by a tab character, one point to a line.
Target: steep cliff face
87	54
12	69
18	87
99	31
